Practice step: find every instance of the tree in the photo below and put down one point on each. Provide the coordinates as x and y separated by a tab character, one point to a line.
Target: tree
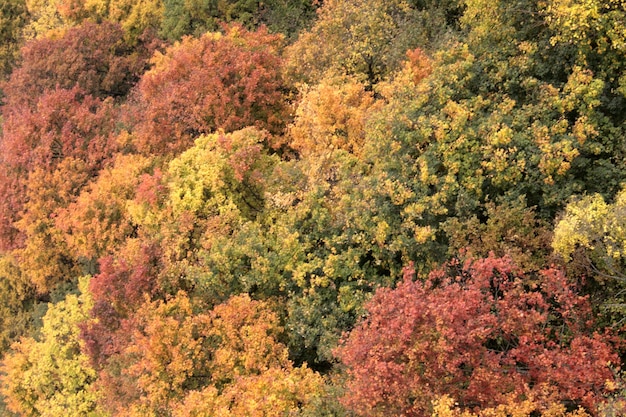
64	124
45	19
446	407
208	192
484	333
191	362
287	16
199	16
331	115
594	227
17	297
215	82
323	243
589	236
46	259
97	222
274	392
120	288
50	376
195	17
366	39
13	17
92	56
135	17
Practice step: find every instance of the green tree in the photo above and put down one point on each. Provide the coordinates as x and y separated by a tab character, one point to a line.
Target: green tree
366	39
13	17
194	17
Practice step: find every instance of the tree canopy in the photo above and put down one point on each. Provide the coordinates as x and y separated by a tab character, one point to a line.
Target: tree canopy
312	208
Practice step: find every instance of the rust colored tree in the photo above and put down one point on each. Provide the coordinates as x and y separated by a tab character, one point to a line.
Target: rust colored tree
482	333
92	56
63	124
215	82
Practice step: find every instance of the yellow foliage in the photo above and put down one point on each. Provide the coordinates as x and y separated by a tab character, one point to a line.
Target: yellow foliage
593	224
446	407
52	377
45	19
354	37
275	392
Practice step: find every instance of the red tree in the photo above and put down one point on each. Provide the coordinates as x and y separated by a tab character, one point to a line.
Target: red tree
63	124
478	333
118	290
92	56
215	82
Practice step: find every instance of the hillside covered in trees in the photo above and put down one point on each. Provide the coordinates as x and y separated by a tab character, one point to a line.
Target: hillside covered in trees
313	208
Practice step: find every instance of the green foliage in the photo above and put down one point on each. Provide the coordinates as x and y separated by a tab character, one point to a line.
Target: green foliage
288	17
13	17
352	37
241	201
323	243
194	17
366	39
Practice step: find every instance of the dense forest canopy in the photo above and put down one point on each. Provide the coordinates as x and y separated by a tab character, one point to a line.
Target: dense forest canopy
313	208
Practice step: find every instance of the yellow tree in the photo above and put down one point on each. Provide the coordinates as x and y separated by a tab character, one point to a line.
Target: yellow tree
50	376
446	407
331	115
591	238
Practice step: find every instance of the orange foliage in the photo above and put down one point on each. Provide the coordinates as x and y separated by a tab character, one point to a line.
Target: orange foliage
419	63
332	115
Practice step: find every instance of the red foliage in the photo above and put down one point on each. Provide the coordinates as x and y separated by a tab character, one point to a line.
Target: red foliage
92	56
123	282
118	290
64	123
214	82
151	189
419	63
479	334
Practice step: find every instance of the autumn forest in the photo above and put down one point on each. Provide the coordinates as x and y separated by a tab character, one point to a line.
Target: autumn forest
313	208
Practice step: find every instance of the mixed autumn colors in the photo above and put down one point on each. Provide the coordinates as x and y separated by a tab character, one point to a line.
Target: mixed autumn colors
313	208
